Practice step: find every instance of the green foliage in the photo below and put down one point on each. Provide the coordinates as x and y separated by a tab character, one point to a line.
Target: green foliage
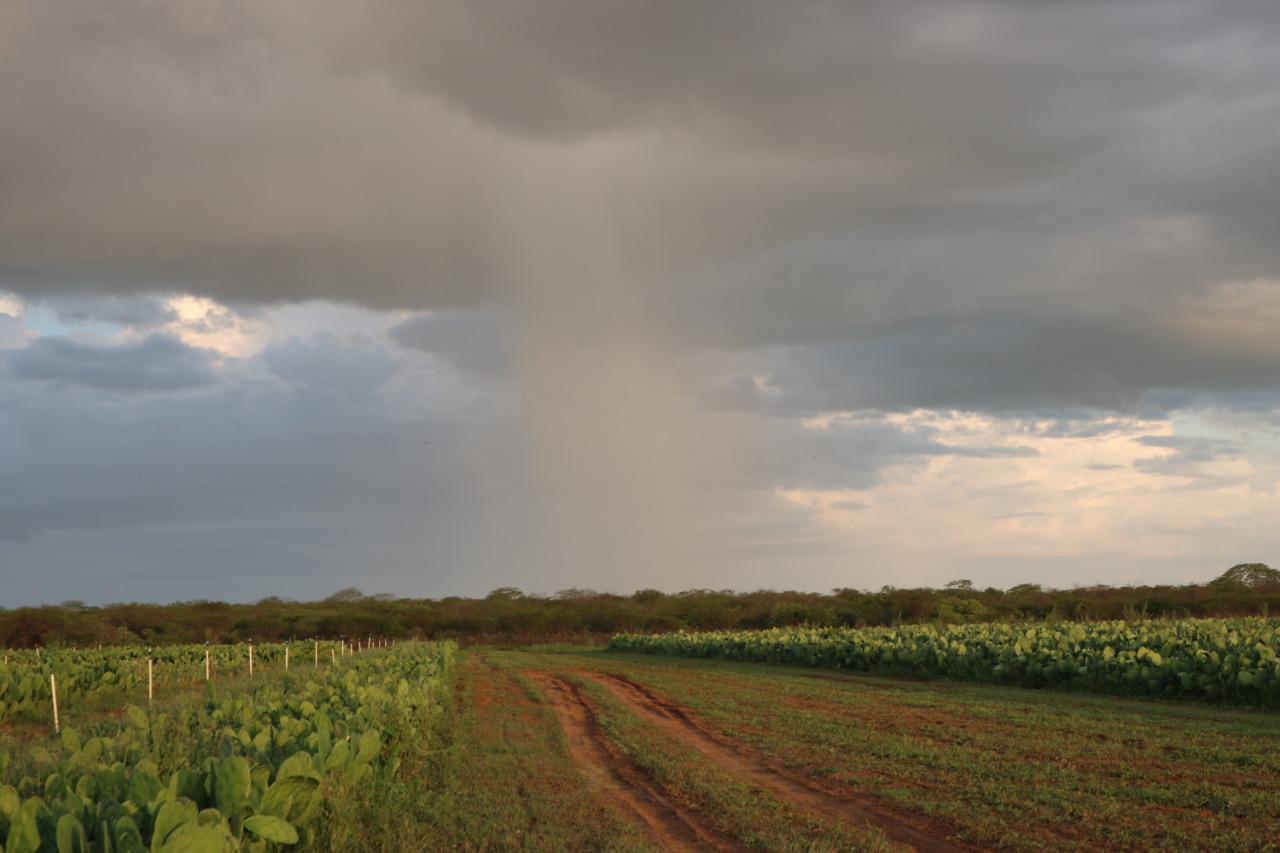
1249	575
956	610
582	616
246	769
1213	660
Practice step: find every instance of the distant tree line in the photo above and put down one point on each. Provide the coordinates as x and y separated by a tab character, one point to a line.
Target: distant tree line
508	615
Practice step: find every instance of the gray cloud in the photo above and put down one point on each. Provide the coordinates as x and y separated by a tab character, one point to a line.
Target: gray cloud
478	342
389	469
1044	211
13	332
327	366
155	363
1190	455
144	312
844	454
1007	362
412	155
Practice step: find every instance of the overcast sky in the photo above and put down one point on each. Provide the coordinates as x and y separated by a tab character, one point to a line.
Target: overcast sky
432	298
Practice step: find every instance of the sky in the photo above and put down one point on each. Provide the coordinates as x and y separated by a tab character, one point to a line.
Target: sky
435	298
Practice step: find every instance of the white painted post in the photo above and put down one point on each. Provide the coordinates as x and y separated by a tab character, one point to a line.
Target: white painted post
317	654
53	688
207	669
251	658
151	692
333	655
286	657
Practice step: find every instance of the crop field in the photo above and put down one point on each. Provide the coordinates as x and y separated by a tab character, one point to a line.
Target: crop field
425	747
241	763
1211	660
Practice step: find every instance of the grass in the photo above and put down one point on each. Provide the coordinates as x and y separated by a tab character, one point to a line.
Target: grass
760	820
1011	768
500	779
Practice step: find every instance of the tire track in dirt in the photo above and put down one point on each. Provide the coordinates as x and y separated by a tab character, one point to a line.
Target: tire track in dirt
672	826
674	721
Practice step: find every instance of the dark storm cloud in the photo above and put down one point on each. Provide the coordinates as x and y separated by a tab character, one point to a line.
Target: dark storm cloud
145	312
478	342
156	363
1001	362
399	154
239	448
848	453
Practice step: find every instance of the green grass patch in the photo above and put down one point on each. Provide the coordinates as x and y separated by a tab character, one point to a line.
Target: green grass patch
1009	767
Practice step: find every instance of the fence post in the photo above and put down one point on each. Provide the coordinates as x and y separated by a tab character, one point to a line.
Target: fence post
53	688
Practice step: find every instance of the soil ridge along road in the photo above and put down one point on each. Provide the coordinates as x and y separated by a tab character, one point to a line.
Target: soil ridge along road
672	826
680	725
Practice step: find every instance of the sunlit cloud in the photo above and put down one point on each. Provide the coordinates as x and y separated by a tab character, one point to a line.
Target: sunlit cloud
1118	493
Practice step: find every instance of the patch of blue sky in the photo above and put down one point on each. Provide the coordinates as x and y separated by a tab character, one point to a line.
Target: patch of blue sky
46	322
1257	437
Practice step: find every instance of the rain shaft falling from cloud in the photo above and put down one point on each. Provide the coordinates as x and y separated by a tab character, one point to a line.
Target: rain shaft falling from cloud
611	444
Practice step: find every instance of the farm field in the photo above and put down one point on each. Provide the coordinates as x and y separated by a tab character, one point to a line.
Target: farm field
716	755
276	761
570	749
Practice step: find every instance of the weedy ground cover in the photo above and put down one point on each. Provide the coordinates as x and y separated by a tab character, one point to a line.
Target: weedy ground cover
501	778
1009	768
759	819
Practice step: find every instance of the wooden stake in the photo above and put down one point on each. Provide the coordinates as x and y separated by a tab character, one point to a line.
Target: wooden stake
151	692
206	662
286	657
53	688
317	654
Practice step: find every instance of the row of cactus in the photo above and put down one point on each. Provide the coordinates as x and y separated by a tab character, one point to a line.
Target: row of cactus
25	688
243	770
1216	660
